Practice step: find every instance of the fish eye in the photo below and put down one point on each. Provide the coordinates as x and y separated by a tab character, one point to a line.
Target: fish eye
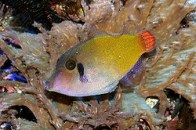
70	64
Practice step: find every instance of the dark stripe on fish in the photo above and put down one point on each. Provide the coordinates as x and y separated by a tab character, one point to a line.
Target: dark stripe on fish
80	69
82	77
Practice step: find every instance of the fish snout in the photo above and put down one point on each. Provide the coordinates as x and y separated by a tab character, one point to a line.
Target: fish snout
47	85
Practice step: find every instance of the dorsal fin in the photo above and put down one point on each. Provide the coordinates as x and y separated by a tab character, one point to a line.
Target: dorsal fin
148	41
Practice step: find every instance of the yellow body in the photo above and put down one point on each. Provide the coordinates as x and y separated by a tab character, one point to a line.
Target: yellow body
118	54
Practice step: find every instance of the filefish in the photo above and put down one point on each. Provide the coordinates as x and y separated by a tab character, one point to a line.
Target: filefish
96	66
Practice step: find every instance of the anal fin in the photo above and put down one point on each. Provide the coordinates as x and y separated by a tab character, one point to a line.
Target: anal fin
133	74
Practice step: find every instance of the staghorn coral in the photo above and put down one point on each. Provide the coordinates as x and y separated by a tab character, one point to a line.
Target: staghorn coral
172	67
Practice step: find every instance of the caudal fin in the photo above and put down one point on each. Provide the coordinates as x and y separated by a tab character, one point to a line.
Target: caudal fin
148	41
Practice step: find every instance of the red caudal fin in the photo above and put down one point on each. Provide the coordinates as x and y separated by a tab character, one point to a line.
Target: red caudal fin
148	41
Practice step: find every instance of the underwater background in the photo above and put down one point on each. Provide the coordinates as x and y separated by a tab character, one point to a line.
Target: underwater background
34	34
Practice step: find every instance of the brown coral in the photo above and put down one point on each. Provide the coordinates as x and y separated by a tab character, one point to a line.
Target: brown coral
172	67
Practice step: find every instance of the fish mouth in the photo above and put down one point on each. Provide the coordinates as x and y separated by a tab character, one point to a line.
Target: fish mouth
46	85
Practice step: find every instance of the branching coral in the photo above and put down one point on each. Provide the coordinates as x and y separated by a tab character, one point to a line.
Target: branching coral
172	68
